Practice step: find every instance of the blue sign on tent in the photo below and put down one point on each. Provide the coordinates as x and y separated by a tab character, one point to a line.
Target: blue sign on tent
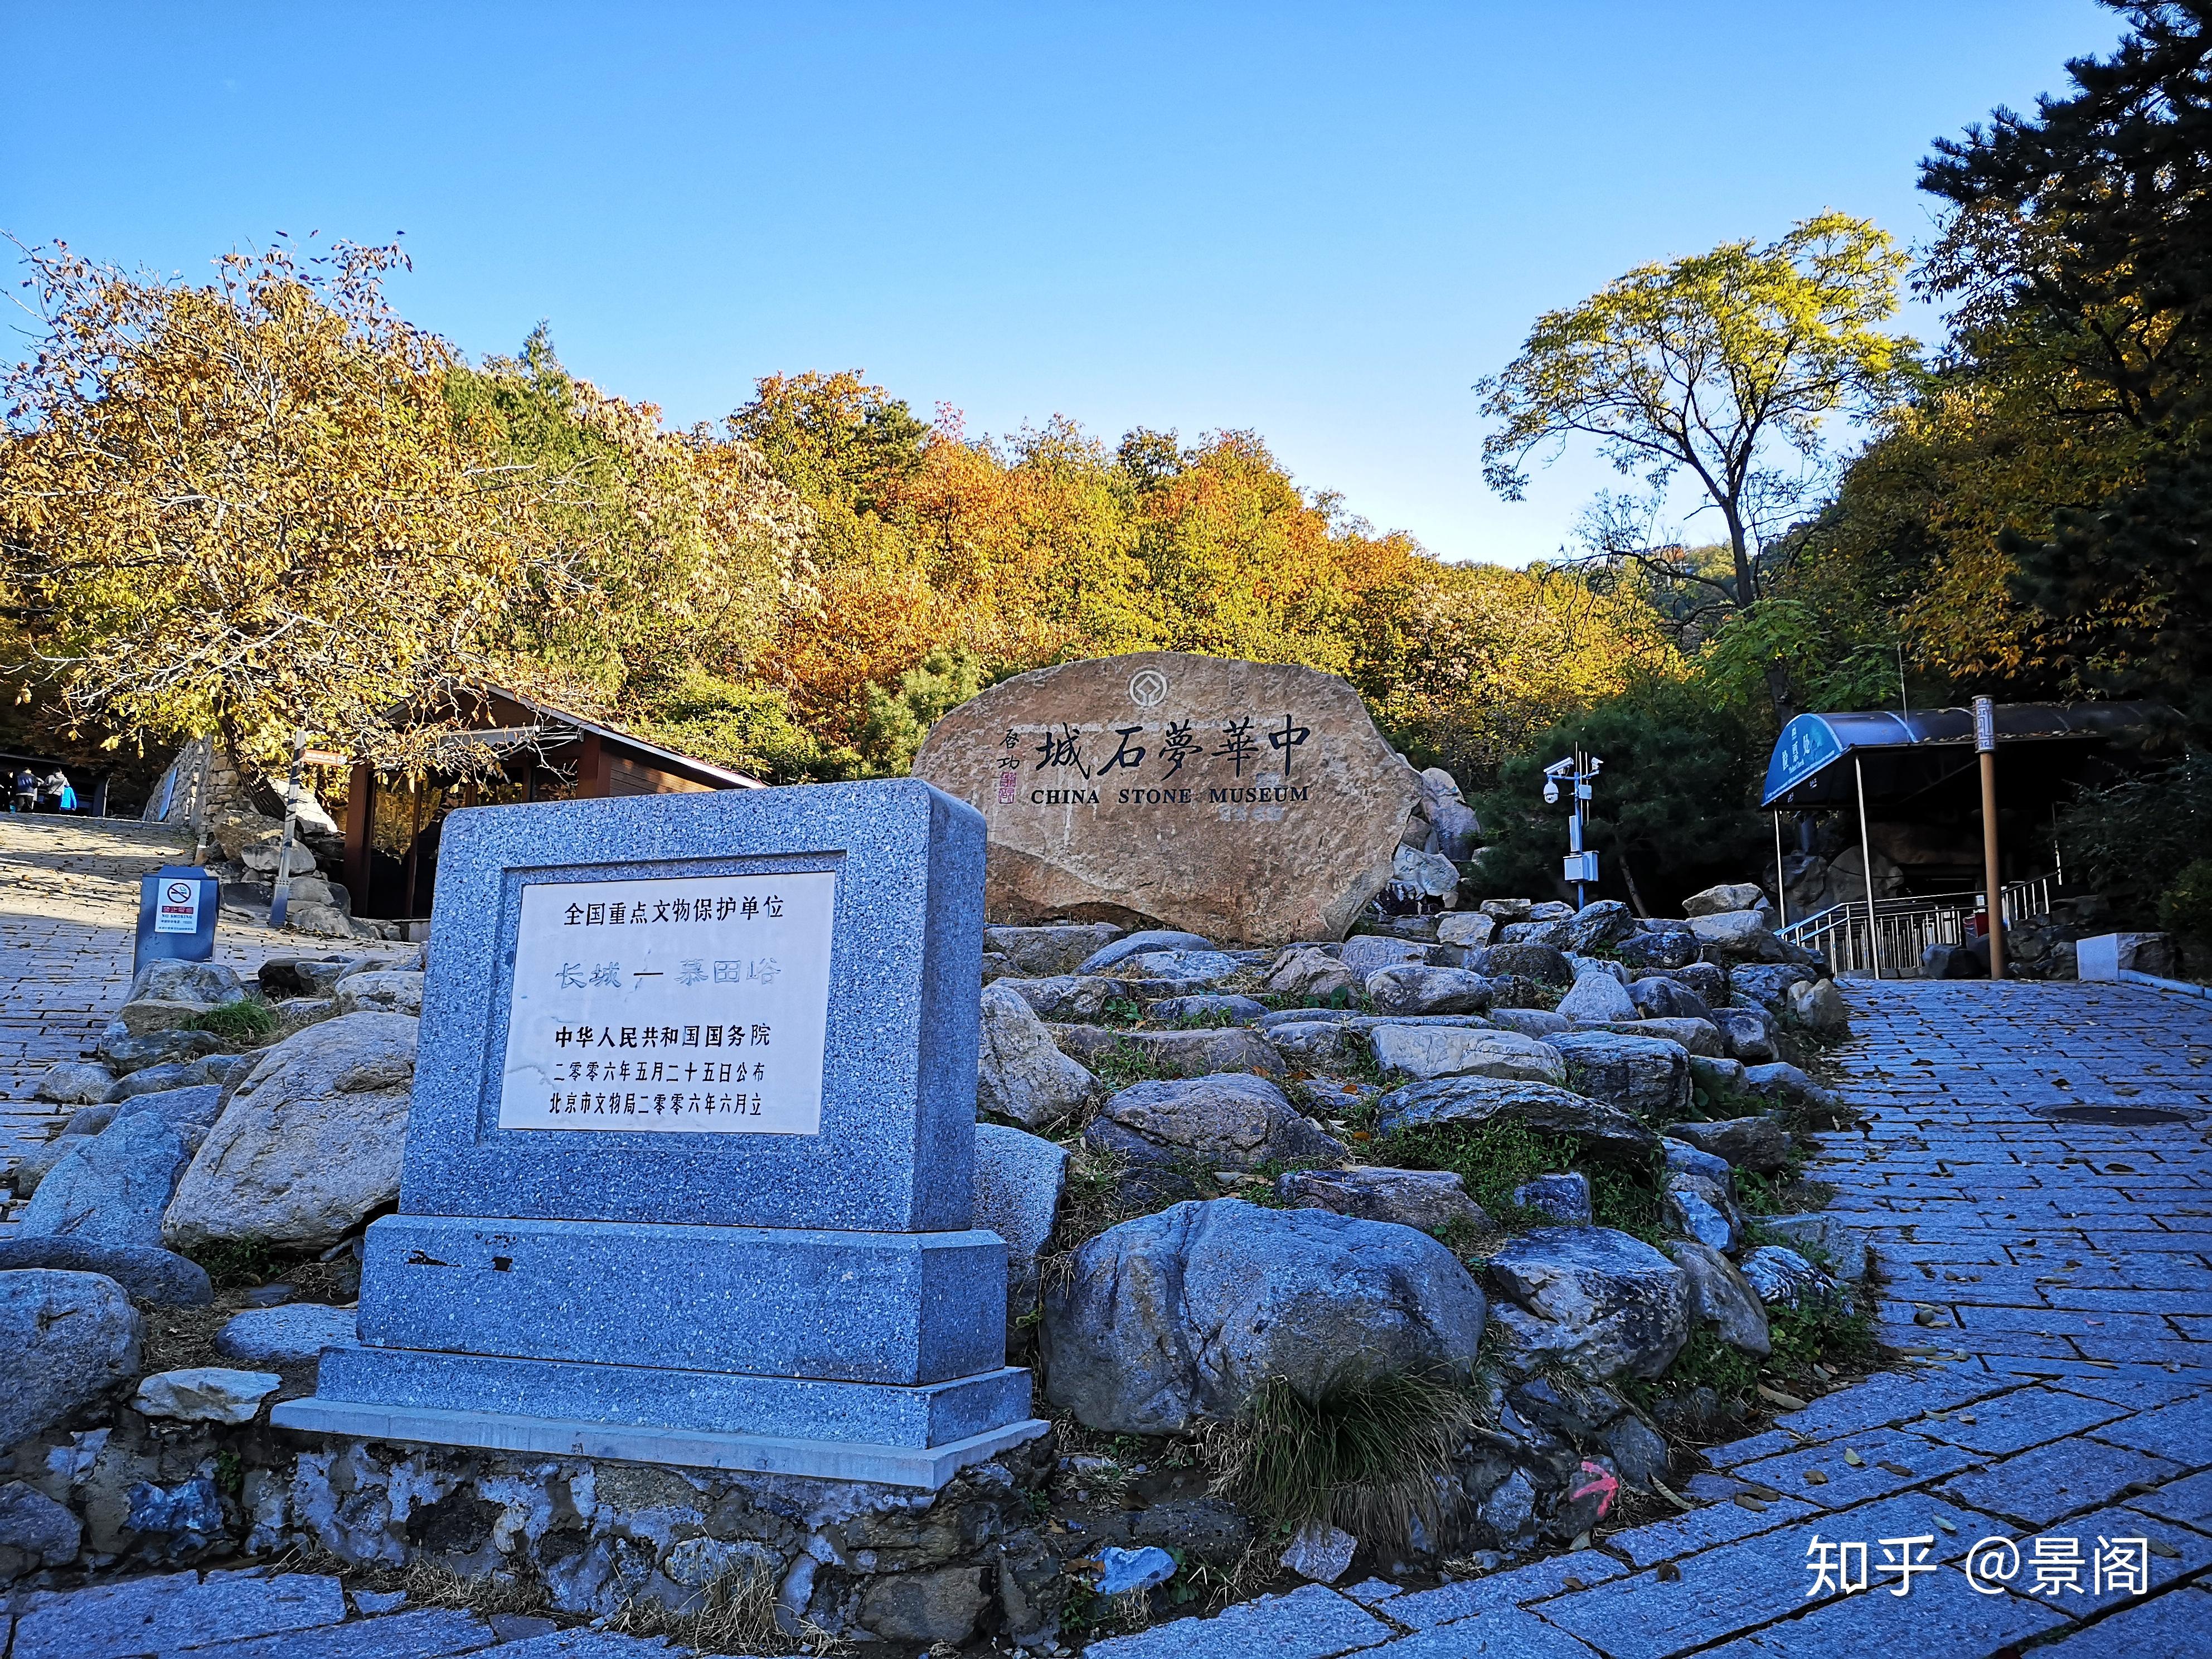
1807	744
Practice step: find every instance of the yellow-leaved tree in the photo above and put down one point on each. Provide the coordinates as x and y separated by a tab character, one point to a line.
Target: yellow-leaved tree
242	508
1728	364
269	502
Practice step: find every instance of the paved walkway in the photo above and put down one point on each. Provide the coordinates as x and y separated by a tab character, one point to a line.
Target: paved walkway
68	915
257	1615
2051	1283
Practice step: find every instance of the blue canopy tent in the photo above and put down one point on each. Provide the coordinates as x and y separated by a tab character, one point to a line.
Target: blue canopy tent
1898	757
1894	756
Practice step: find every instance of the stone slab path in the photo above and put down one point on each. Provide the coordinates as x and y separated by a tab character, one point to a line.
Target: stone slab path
69	914
2050	1289
255	1613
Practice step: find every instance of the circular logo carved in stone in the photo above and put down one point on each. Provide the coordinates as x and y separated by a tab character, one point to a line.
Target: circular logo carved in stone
1148	687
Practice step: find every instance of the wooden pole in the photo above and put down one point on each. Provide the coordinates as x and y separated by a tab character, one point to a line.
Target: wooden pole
1985	741
1866	860
1781	892
203	781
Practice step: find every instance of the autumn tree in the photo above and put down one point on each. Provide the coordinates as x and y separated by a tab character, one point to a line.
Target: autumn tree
658	565
240	507
947	561
269	502
1728	364
1465	663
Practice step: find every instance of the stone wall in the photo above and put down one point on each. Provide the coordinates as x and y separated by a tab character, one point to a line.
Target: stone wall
584	1537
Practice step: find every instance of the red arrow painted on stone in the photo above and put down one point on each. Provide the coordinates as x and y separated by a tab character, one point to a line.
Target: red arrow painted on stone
1602	1483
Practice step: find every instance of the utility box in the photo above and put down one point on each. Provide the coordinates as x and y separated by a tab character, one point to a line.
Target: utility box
1582	866
177	908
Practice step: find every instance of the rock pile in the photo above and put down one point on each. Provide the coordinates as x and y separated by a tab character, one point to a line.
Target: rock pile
184	1145
1263	1154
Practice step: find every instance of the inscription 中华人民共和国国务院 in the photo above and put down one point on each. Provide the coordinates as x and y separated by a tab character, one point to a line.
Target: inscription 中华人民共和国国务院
691	1004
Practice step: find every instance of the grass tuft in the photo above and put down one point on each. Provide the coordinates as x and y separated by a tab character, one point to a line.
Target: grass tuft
245	1023
1495	1159
737	1615
1093	1199
433	1583
1370	1455
1492	1159
1124	1063
1628	1196
1356	1059
1820	1331
236	1263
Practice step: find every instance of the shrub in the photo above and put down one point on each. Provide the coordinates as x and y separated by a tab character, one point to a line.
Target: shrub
2138	839
2184	910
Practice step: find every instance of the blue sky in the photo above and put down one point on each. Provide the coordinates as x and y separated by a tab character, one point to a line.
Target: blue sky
1320	223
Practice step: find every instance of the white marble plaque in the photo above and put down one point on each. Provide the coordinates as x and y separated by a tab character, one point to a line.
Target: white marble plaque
691	1006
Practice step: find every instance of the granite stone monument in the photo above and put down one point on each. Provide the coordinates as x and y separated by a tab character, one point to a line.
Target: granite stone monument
1253	803
689	1163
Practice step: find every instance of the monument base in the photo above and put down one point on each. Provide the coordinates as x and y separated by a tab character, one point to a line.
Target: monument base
884	1308
926	1468
894	1434
713	1402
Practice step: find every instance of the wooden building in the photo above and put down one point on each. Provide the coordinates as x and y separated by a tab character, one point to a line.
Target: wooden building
392	824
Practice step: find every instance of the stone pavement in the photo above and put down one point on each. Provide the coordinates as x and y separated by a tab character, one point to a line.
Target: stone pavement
68	912
257	1613
2049	1283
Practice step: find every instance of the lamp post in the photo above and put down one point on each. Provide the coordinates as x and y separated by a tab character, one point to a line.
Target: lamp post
1575	771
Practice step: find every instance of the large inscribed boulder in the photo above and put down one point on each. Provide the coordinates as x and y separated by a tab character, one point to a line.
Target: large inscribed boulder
1253	803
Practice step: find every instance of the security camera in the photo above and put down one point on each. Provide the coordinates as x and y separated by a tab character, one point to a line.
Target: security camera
1551	792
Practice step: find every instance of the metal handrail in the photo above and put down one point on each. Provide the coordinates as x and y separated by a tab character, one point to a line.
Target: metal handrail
1888	943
